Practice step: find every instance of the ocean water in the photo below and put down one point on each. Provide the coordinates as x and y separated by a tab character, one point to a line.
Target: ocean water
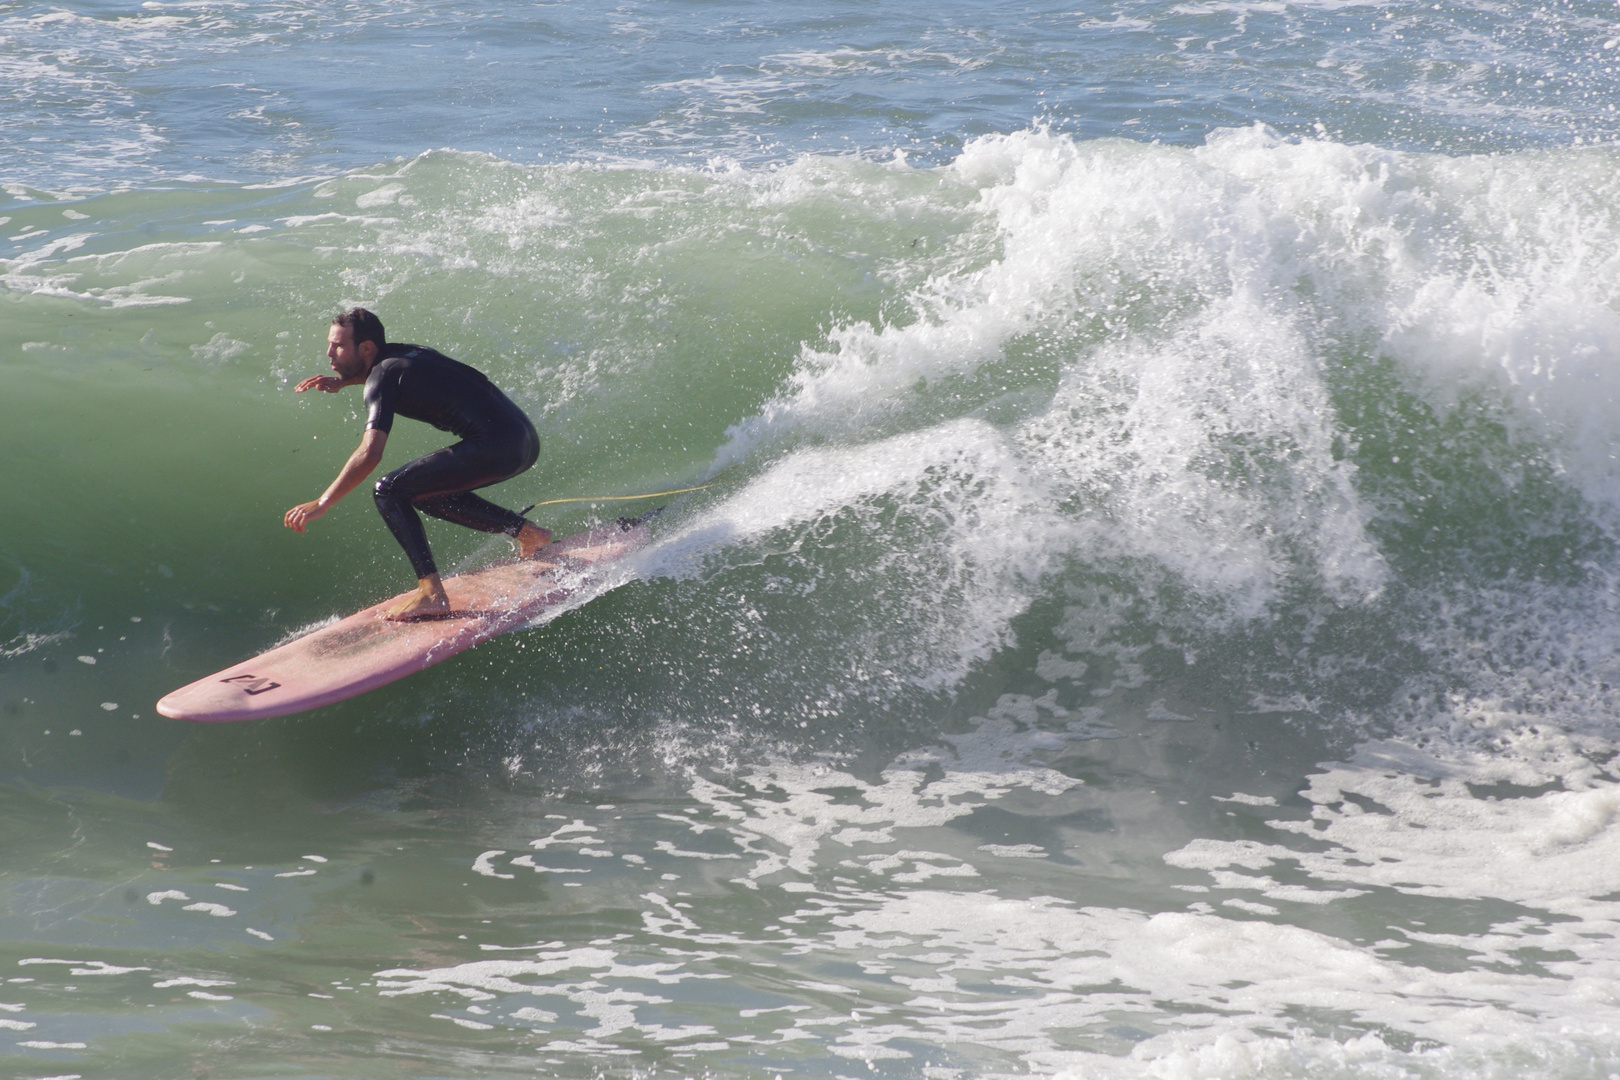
1153	612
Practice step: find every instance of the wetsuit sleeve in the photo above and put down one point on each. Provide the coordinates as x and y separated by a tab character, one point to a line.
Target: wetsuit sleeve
379	397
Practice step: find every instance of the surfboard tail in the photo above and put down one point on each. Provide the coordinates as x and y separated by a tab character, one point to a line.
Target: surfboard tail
626	524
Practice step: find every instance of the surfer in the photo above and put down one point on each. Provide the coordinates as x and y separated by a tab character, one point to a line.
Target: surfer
497	443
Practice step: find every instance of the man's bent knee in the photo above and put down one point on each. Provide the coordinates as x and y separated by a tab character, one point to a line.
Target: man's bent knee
387	493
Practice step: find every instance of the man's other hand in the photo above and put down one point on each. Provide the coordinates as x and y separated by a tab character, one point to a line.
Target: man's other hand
301	515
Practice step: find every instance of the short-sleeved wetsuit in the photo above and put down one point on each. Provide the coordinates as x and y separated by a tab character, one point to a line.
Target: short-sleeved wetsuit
497	443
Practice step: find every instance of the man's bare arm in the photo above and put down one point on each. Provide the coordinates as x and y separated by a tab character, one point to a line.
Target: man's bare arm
356	469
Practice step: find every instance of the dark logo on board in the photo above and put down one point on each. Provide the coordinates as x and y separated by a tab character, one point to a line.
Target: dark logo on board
251	684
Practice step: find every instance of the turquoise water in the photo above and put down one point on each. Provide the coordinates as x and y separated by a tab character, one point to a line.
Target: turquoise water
1152	614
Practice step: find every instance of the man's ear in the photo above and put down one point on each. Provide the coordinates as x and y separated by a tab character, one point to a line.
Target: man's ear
367	351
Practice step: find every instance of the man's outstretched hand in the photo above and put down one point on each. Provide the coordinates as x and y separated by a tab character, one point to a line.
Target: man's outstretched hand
330	383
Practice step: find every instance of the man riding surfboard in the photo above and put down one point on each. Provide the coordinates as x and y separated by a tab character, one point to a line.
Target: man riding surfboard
497	443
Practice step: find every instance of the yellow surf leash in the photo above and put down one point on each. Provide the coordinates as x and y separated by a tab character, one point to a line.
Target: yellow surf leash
618	498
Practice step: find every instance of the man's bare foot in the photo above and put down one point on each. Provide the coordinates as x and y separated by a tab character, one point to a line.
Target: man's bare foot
530	539
428	599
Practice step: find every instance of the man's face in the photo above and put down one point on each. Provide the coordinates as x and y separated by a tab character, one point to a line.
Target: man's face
347	360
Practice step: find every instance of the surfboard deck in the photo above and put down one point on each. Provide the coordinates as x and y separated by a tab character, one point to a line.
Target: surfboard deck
365	650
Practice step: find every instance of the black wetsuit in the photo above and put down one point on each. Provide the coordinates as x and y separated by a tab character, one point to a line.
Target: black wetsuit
497	443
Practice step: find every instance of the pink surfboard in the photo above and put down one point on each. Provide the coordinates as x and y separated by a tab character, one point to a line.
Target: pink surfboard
366	651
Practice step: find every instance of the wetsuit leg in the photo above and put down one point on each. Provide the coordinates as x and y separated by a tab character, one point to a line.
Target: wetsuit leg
441	483
472	512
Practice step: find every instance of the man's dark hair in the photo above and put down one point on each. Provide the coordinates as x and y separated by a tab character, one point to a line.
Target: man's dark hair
362	325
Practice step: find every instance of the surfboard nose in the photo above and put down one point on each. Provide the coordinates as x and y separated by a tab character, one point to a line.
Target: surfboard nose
228	695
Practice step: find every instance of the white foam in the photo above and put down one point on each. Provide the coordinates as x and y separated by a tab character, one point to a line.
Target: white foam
47	1044
188	980
980	766
1527	310
483	865
481	980
82	967
994	532
1194	423
1199	291
1429	834
23	644
220	349
385	195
